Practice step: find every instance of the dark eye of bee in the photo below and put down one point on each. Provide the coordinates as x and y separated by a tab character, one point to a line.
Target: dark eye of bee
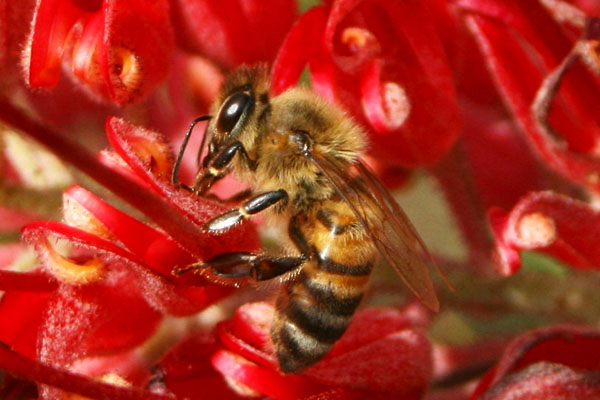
232	110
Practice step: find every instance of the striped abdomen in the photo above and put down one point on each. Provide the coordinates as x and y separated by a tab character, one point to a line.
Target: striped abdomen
316	307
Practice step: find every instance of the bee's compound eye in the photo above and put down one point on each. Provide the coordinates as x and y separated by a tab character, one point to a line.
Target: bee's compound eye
232	110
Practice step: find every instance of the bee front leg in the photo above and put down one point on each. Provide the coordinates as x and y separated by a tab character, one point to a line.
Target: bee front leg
247	265
186	139
217	167
250	207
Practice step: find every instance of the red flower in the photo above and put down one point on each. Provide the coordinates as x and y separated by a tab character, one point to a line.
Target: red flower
114	260
385	64
115	48
522	43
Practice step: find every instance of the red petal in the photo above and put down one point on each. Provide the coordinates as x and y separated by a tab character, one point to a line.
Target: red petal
399	363
551	223
15	23
117	51
503	166
590	7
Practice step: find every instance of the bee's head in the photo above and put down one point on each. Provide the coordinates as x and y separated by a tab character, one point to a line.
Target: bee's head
239	109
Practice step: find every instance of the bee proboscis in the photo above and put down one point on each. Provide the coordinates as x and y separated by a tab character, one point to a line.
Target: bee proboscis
301	158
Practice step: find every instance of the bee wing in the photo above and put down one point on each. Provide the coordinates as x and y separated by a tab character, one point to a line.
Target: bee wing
386	223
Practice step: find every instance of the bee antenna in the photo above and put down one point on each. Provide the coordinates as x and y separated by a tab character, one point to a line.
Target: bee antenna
188	134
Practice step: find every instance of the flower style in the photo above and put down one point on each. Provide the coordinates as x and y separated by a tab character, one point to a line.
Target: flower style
495	100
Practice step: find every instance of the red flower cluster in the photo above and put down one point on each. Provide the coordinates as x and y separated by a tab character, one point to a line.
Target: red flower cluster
497	100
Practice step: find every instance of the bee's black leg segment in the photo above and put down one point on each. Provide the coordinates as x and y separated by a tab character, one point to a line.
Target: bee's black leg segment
263	201
250	265
250	207
186	139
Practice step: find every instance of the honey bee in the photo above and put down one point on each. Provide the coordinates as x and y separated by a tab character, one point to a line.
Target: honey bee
301	156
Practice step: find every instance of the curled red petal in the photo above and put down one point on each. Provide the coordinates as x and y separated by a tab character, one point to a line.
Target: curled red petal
392	75
301	43
573	347
138	42
117	51
545	221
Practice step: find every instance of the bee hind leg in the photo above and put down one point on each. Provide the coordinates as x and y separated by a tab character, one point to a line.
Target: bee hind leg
247	265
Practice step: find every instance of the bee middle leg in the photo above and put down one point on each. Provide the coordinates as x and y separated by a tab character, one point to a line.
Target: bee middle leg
247	265
250	207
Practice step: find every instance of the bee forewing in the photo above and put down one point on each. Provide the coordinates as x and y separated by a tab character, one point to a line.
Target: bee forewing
386	224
